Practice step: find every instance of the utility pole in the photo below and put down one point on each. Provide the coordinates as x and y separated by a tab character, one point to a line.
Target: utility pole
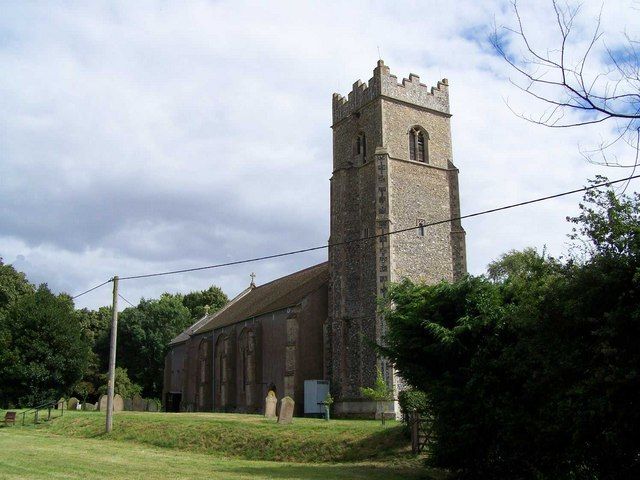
112	355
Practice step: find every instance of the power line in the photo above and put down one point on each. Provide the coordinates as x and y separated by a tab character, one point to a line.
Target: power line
126	301
370	237
92	289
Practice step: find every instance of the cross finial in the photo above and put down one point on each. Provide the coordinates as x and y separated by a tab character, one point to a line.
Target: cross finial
253	278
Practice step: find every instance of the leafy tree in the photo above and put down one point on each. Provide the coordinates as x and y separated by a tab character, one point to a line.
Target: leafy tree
144	333
533	372
13	285
213	297
45	353
96	326
122	385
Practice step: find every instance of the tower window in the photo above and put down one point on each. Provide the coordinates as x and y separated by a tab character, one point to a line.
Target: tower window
421	227
418	148
361	147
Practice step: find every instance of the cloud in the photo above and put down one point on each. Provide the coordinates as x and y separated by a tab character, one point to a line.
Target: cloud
149	136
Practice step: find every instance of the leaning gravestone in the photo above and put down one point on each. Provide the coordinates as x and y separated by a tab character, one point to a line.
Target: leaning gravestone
73	403
139	404
152	406
62	404
270	405
128	404
118	403
286	410
89	407
102	403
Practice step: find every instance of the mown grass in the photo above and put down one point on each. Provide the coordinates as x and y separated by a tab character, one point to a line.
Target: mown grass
206	445
250	437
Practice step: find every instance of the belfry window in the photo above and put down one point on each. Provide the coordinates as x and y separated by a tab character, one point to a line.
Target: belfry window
418	148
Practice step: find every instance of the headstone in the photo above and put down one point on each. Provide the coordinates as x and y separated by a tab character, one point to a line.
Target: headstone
128	404
62	404
89	407
270	405
139	404
286	410
73	403
102	403
118	403
152	406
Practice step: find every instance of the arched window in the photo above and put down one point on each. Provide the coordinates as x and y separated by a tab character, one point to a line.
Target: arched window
361	147
418	147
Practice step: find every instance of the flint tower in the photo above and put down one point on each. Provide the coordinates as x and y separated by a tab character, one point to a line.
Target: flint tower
392	169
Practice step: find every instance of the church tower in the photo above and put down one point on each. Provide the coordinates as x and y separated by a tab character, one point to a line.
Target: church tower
392	169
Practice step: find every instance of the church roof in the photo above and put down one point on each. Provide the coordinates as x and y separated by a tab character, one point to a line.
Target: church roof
278	294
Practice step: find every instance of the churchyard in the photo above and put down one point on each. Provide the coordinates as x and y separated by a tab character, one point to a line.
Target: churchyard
206	445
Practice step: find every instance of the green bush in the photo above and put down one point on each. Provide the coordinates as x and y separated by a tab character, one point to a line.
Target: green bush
410	400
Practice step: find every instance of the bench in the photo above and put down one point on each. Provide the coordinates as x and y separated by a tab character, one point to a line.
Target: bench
10	417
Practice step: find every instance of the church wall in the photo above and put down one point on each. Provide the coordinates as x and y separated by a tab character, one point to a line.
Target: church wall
310	345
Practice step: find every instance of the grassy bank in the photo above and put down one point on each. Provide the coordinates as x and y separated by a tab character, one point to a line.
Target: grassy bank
248	437
28	453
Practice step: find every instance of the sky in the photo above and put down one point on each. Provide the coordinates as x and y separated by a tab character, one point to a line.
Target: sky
140	137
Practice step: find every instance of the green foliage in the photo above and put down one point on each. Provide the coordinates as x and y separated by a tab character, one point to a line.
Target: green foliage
44	352
13	285
532	373
213	297
122	384
144	334
410	400
380	392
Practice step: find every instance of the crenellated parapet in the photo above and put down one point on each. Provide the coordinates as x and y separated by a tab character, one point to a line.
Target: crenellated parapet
386	85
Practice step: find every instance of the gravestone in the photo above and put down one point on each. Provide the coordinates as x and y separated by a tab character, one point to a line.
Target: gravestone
152	406
270	405
118	403
128	404
73	403
62	404
286	410
139	404
102	403
89	407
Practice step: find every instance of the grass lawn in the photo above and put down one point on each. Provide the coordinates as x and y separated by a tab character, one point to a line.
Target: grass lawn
205	445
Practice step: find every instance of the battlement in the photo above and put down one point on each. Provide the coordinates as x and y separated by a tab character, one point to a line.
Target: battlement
384	84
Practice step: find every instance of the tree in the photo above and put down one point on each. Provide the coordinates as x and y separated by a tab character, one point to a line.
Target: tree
45	352
144	333
561	78
122	384
213	297
13	285
533	372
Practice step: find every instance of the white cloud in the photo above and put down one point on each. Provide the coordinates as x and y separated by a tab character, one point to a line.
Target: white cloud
148	136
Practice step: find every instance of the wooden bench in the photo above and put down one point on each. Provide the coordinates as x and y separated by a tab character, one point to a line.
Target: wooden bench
10	417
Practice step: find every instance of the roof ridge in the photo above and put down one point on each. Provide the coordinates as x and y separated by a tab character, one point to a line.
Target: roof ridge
291	274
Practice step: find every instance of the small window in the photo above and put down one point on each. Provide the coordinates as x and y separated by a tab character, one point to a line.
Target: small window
421	224
361	147
418	148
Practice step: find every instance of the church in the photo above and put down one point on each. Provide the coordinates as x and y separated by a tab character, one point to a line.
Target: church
392	170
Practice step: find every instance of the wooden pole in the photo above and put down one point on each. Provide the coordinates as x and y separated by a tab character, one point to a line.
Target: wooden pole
112	356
